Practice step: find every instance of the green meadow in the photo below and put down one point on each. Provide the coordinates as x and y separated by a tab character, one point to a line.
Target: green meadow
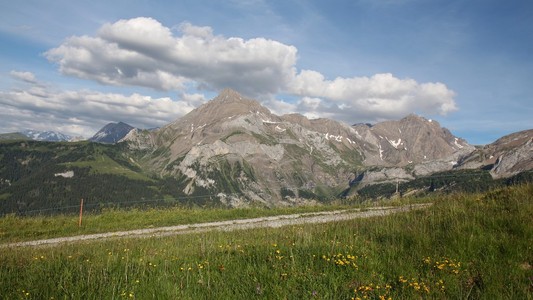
465	246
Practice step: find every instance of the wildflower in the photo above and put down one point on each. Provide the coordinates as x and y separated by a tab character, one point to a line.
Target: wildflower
440	285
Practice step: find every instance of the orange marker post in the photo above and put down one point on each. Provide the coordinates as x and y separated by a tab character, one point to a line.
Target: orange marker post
81	212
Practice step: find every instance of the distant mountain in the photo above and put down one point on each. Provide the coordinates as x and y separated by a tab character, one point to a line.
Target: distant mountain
112	133
35	135
49	136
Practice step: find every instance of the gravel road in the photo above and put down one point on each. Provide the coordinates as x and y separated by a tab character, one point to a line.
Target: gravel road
263	222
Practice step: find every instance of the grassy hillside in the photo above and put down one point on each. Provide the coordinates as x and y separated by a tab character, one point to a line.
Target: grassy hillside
51	178
469	181
466	246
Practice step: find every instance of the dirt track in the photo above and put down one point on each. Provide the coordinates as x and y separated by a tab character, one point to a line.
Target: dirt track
263	222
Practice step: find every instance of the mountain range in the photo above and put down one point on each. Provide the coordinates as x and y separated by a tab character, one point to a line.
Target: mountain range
109	134
232	151
35	135
236	148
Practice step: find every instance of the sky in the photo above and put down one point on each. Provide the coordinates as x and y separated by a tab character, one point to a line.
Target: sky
74	66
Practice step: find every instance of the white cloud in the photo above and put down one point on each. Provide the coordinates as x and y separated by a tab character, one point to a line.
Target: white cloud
205	32
84	112
24	76
143	52
381	96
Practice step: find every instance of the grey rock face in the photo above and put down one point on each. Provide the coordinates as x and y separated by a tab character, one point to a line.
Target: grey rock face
505	157
112	133
411	140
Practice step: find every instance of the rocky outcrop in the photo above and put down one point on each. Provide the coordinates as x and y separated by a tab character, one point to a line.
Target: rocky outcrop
383	175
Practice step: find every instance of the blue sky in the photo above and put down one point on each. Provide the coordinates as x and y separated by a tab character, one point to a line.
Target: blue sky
73	66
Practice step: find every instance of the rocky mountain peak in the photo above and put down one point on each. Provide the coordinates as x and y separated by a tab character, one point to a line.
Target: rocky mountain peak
230	102
415	117
413	139
228	105
228	94
111	133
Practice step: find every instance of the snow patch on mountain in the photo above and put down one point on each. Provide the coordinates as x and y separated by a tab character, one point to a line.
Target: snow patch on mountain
395	144
48	136
456	142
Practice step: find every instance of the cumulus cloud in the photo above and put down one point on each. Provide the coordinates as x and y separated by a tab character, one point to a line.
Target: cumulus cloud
84	112
144	52
381	96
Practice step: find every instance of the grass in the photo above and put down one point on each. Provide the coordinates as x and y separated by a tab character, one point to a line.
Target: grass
463	247
103	164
